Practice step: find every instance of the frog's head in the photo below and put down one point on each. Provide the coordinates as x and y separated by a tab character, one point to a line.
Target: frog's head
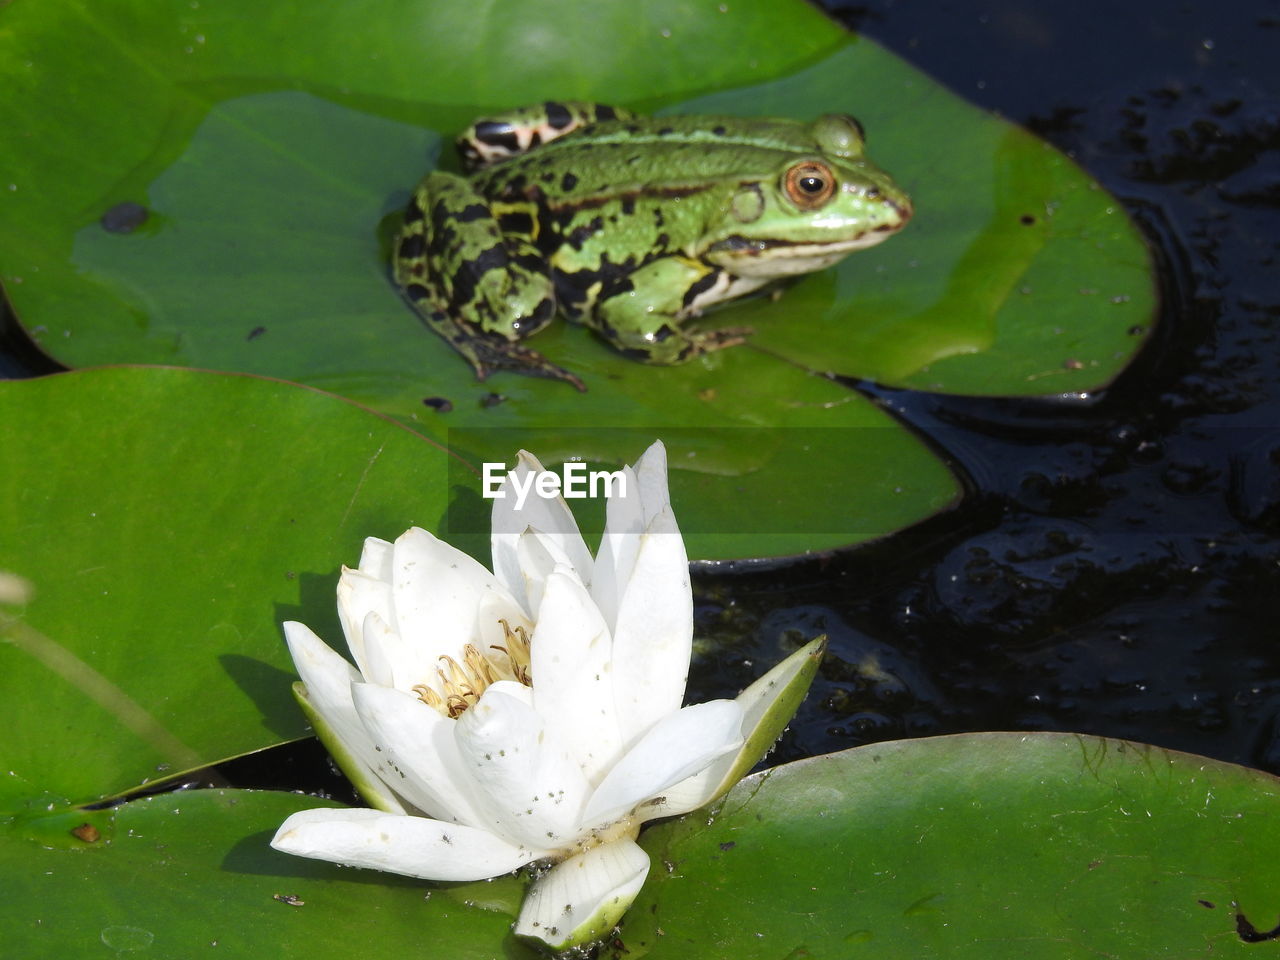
818	208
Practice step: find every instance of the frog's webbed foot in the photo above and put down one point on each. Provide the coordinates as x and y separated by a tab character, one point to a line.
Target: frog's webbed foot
671	345
707	341
488	354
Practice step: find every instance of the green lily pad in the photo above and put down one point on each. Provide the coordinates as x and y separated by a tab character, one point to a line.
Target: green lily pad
992	845
239	220
981	845
191	874
168	520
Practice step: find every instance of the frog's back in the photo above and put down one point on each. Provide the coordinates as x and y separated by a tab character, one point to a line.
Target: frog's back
708	132
652	154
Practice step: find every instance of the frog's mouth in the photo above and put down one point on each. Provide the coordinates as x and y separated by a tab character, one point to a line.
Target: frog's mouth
745	256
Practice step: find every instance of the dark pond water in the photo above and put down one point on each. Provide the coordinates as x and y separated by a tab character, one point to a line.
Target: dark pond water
1116	567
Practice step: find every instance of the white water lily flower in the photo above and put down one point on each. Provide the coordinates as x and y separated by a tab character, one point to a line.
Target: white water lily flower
531	714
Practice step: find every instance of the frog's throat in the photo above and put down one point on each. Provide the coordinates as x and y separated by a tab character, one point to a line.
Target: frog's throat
782	258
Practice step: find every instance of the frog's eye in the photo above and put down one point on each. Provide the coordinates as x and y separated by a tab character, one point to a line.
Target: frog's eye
809	184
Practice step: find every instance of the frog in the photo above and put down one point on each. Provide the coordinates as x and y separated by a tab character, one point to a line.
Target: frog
630	225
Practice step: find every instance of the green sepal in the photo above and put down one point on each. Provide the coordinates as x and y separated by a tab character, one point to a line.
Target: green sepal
580	900
768	706
367	783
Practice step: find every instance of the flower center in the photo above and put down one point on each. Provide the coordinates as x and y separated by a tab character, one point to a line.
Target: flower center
459	685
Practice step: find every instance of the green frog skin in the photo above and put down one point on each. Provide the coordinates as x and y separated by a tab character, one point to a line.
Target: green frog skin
631	226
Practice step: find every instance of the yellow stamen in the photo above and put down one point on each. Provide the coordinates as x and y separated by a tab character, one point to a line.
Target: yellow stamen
516	652
429	696
453	674
459	685
482	671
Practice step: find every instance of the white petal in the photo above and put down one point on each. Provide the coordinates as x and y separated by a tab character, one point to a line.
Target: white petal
529	783
327	679
583	898
677	747
327	675
573	688
517	691
653	637
382	650
624	523
550	516
767	707
412	846
626	518
375	559
538	555
383	655
651	472
437	591
415	745
360	594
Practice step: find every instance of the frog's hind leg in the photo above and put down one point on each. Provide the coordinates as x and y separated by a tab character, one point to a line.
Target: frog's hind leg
477	288
504	135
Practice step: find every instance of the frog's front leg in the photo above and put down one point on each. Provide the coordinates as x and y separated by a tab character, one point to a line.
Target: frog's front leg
480	289
645	321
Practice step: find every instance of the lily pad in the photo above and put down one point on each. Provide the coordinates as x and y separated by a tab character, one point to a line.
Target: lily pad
980	845
988	845
168	520
240	221
190	874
